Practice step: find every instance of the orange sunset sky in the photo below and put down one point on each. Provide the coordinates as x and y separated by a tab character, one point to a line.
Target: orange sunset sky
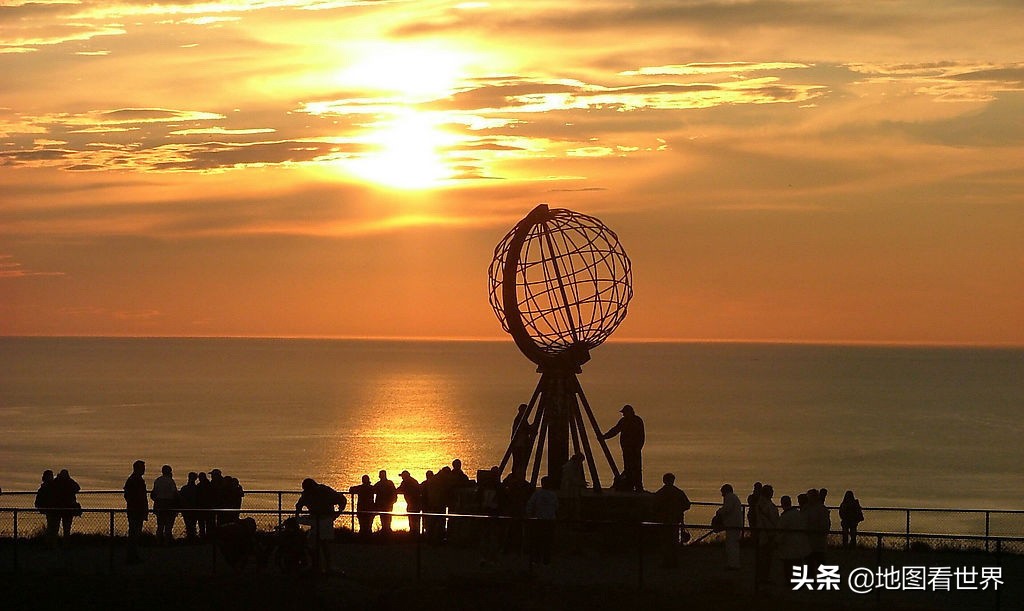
776	170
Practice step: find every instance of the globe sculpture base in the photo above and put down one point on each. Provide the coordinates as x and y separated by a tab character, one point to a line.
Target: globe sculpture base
559	415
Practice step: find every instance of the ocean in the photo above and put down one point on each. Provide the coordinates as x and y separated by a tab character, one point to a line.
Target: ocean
901	426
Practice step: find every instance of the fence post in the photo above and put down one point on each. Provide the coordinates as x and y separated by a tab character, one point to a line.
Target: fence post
15	540
419	550
999	562
110	556
988	521
316	546
906	546
640	555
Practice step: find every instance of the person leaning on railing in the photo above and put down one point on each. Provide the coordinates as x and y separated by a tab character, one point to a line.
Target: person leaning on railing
321	501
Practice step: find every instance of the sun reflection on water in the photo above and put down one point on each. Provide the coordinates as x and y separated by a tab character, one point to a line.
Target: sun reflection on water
408	425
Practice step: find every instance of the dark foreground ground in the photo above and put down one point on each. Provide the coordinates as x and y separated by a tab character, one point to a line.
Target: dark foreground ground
90	574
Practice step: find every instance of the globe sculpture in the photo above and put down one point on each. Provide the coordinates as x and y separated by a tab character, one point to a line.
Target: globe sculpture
560	283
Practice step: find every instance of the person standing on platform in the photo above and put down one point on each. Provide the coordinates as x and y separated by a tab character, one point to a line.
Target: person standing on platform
542	509
768	524
729	518
65	493
571	487
413	493
165	504
204	500
136	501
189	504
630	430
363	494
752	500
670	503
385	495
522	441
819	523
793	547
46	504
850	515
325	504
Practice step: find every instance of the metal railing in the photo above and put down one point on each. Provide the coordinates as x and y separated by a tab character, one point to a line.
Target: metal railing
912	523
629	551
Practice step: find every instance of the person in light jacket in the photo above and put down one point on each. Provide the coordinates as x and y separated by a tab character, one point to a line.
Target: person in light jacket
793	547
165	504
730	518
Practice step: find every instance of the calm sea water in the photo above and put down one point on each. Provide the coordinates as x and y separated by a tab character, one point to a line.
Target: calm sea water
902	426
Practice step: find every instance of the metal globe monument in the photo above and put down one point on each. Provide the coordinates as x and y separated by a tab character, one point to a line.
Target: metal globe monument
560	284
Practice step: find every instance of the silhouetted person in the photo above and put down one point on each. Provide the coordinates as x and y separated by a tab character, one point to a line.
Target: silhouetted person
571	487
440	494
768	524
325	504
165	504
850	515
65	496
818	524
237	542
218	496
521	441
233	494
458	482
730	518
47	505
542	509
670	505
516	492
792	541
136	501
204	501
630	429
385	495
433	503
364	506
752	499
413	493
188	499
489	492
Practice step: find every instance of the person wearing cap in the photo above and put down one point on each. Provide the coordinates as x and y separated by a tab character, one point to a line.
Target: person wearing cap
413	493
630	430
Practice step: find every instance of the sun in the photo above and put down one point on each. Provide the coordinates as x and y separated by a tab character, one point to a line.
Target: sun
405	151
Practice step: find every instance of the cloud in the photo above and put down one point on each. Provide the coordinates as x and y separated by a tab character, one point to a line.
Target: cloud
711	68
10	268
221	131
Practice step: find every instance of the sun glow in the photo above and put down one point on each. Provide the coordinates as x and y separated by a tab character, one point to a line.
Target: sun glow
406	152
417	71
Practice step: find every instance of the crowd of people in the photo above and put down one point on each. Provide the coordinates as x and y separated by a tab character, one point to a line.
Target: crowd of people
789	533
792	534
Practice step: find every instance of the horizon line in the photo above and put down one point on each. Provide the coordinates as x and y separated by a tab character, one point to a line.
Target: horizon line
497	339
